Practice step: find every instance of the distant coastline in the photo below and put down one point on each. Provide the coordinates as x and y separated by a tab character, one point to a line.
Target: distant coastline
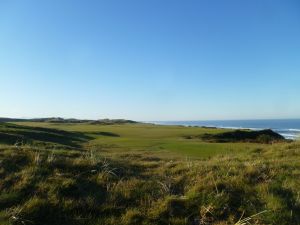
289	128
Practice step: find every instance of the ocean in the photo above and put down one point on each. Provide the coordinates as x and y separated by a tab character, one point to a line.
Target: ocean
289	128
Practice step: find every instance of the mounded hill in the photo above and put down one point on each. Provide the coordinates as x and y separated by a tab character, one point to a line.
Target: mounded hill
261	136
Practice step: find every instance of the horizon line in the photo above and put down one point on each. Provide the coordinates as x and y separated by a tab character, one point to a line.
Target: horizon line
181	120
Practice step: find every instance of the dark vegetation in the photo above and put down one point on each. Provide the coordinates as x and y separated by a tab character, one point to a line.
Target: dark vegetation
262	136
43	186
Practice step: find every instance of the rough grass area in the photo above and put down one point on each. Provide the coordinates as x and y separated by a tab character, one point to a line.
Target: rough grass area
100	183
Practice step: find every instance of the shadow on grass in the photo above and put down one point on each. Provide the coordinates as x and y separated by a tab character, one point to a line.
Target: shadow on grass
11	133
107	134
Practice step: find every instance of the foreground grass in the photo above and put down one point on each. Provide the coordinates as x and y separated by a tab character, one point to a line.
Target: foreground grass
137	176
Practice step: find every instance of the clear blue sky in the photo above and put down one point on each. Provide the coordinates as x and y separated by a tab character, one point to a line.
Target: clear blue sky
150	60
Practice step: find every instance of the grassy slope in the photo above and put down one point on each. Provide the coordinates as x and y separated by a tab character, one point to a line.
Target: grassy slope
144	174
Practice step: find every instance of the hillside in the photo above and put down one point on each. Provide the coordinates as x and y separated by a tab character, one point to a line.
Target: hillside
84	174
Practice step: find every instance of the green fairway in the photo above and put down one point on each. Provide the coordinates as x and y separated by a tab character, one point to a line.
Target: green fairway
146	137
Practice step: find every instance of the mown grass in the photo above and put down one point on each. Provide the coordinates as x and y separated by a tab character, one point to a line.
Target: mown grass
144	174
